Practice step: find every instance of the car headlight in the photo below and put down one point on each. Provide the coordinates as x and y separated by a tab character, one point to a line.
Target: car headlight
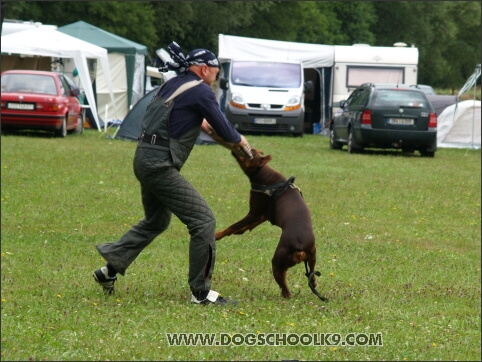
294	103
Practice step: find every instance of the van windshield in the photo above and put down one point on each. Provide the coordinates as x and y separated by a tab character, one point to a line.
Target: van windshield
266	74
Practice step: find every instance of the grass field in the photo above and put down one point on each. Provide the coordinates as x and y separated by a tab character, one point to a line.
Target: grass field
399	251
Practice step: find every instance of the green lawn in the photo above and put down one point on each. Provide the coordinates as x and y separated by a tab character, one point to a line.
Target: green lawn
398	240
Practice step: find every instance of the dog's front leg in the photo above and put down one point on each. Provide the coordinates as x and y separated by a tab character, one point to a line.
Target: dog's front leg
249	222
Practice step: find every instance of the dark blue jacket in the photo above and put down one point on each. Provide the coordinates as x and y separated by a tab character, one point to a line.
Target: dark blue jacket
192	106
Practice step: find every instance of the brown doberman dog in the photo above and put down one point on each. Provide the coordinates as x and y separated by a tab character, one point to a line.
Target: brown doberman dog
275	198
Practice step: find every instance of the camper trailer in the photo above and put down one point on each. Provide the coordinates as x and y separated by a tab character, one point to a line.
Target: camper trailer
333	70
362	63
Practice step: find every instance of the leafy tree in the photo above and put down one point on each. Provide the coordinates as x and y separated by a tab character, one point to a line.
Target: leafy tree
196	24
462	51
283	22
354	22
120	18
446	33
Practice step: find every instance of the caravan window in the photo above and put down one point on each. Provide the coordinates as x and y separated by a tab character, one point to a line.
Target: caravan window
266	74
356	76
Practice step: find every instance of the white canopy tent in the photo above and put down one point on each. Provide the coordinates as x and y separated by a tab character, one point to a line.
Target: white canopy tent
52	43
458	126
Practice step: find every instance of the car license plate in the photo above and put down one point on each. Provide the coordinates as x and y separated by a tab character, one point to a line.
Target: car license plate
402	121
265	120
25	106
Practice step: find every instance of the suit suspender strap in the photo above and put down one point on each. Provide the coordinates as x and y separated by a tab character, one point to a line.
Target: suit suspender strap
184	88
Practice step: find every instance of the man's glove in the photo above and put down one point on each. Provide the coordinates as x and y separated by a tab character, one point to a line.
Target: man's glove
243	149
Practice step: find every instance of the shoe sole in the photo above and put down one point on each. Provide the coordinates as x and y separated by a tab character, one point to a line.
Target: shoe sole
107	289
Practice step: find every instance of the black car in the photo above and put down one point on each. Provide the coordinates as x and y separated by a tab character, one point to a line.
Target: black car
427	89
385	116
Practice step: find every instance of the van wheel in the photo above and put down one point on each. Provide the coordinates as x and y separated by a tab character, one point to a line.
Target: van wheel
334	145
62	132
352	146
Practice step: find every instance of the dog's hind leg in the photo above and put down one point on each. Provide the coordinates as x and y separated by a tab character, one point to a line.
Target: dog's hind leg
280	263
310	273
311	266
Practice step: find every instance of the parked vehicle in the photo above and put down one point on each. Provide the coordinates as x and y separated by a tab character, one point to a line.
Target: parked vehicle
334	71
40	100
427	89
265	96
385	116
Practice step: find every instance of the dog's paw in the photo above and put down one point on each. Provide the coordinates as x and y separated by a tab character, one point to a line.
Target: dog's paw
286	294
219	235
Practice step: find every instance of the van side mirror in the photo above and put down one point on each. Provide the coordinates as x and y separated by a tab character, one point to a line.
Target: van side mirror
223	83
308	86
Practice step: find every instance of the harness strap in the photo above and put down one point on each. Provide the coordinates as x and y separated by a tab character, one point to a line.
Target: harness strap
274	190
310	282
183	88
153	139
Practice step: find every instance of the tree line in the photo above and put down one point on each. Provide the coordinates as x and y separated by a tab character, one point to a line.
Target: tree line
447	33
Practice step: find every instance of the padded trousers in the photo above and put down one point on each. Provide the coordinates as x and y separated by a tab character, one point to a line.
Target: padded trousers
164	192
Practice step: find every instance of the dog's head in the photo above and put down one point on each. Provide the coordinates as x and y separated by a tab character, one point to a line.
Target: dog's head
250	166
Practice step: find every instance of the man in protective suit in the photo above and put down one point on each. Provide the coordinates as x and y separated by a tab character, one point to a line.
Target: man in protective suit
182	107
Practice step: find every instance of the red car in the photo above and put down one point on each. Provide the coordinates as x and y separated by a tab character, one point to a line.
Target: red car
39	100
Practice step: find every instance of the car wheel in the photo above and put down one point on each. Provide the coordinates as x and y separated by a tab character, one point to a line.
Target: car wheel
80	126
62	132
352	146
425	153
334	145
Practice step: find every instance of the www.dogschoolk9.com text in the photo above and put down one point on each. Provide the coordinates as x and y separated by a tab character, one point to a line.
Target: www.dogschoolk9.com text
274	339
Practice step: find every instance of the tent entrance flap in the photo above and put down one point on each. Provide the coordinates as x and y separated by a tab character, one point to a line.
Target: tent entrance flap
125	56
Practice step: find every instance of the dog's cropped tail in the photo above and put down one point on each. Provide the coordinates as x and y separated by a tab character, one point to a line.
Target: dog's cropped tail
299	256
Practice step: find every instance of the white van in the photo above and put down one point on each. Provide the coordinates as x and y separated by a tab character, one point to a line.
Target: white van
264	96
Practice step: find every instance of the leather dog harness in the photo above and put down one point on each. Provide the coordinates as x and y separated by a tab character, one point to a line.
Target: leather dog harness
275	190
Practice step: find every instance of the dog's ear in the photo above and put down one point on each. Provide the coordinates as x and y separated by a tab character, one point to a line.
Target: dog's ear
265	160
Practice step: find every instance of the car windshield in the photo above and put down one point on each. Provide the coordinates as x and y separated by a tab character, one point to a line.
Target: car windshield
28	83
399	98
266	74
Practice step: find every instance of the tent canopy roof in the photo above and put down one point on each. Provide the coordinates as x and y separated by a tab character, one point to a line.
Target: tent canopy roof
52	43
312	55
41	41
92	34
